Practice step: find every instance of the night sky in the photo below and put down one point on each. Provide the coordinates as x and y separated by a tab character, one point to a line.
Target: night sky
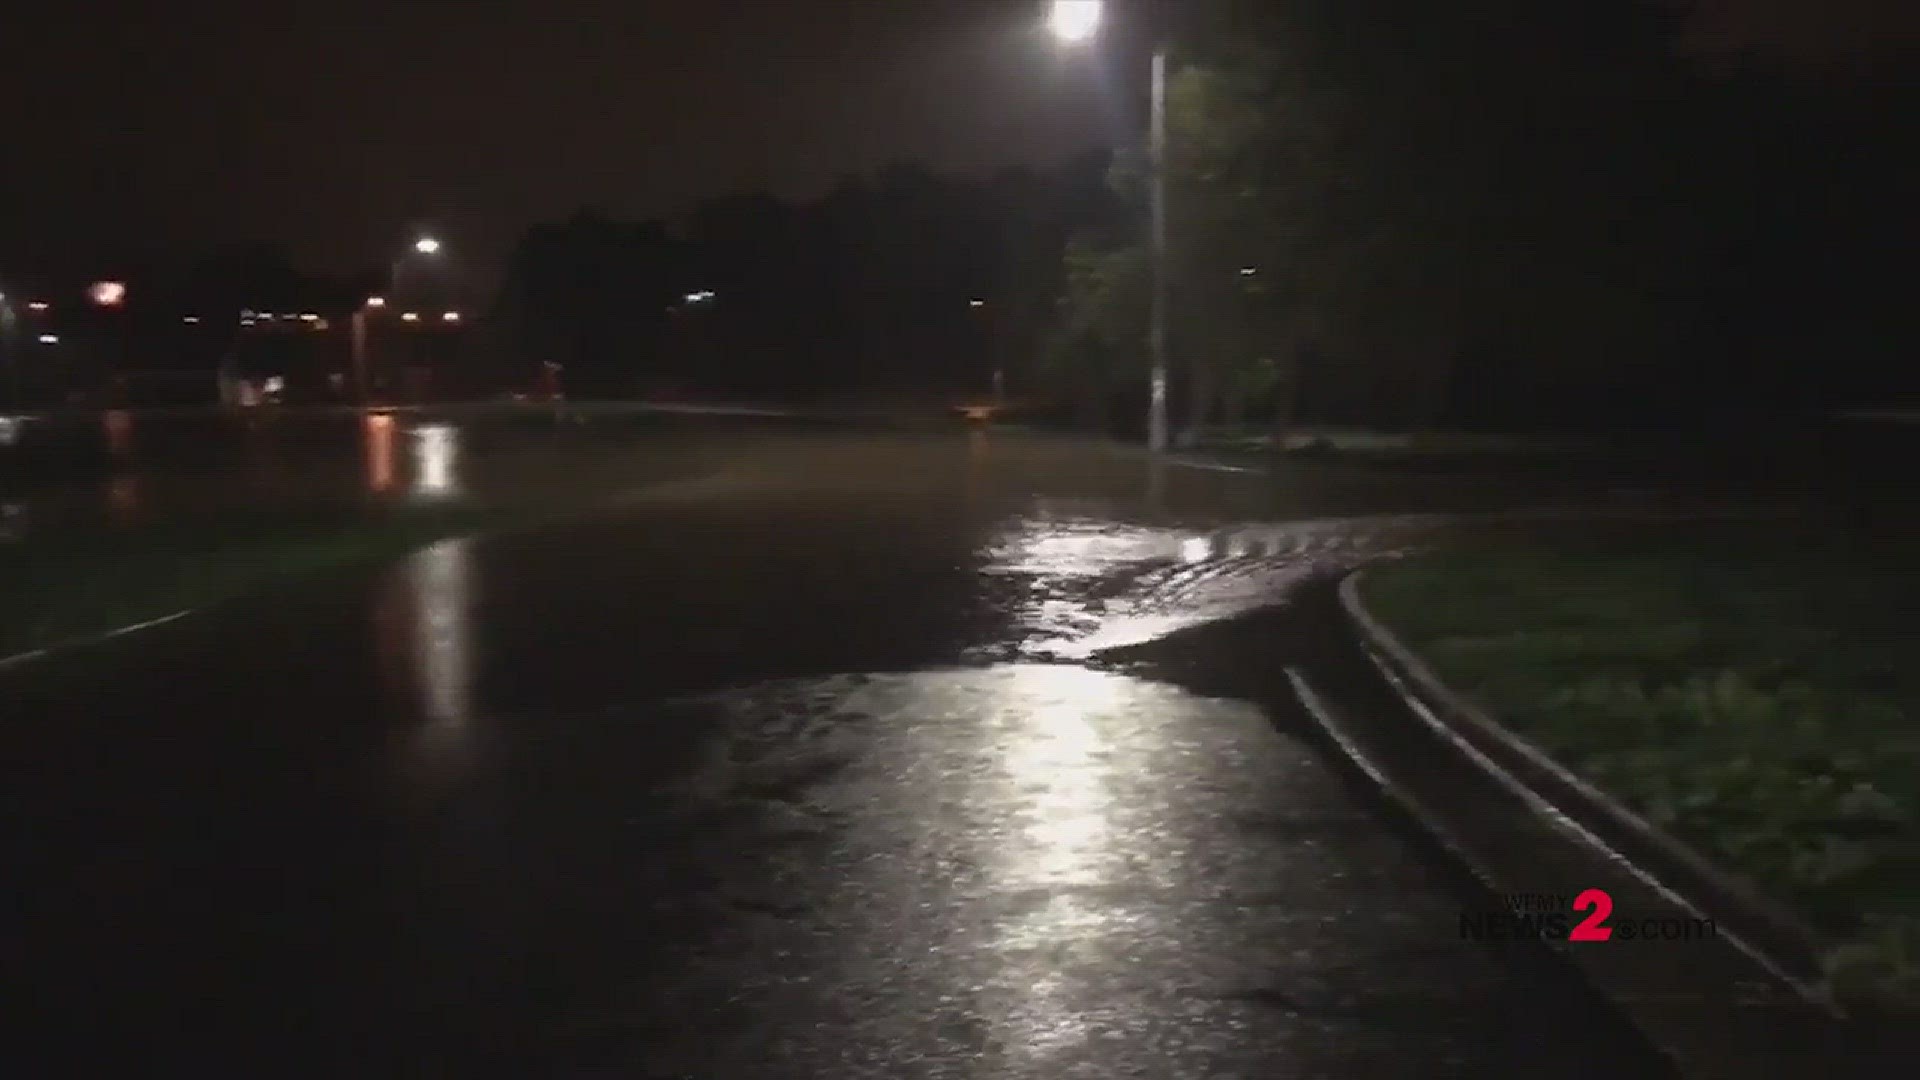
141	129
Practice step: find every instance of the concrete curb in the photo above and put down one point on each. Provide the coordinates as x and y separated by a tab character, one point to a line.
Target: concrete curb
1772	937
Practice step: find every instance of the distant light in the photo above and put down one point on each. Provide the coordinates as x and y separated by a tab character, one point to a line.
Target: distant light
1075	21
451	316
274	384
976	303
308	316
700	297
1249	271
411	316
427	245
189	318
36	305
107	293
376	301
49	339
246	313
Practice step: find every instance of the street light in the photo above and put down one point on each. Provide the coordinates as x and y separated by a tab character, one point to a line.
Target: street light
451	316
1076	22
427	245
107	293
376	301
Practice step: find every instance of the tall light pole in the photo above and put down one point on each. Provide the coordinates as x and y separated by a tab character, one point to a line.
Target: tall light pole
428	246
1077	22
358	339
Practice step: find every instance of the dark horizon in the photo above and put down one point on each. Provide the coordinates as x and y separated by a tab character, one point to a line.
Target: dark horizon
357	127
148	134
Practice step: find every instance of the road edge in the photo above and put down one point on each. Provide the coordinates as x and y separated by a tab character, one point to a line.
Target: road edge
85	641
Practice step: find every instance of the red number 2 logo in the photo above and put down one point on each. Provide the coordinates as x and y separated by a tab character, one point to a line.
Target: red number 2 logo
1593	927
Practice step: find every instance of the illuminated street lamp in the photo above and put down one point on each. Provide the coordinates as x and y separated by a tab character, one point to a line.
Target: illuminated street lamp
107	293
1076	22
411	316
376	301
427	245
38	307
450	317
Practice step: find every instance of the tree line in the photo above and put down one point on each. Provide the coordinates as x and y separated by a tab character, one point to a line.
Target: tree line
1385	212
1525	214
1382	211
904	279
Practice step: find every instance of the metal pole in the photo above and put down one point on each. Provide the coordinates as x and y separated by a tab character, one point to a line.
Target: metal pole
359	337
1157	331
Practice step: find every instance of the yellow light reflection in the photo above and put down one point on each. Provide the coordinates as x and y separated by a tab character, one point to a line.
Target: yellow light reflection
118	424
377	431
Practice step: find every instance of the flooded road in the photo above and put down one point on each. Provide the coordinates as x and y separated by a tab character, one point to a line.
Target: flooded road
808	761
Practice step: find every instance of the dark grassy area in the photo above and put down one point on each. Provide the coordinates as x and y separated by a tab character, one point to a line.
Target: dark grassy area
65	584
1754	690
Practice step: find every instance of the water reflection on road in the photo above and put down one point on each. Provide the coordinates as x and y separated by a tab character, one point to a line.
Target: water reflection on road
436	453
756	775
377	442
424	637
1058	757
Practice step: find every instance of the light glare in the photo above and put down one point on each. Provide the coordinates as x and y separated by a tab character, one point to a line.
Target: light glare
427	245
107	293
1075	21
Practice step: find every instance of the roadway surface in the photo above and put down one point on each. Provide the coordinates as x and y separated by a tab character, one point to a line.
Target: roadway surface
812	764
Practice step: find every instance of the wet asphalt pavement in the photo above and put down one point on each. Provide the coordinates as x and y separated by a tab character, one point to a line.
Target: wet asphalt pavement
810	764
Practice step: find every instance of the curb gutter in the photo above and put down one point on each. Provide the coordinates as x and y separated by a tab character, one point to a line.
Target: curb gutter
1746	999
1772	936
